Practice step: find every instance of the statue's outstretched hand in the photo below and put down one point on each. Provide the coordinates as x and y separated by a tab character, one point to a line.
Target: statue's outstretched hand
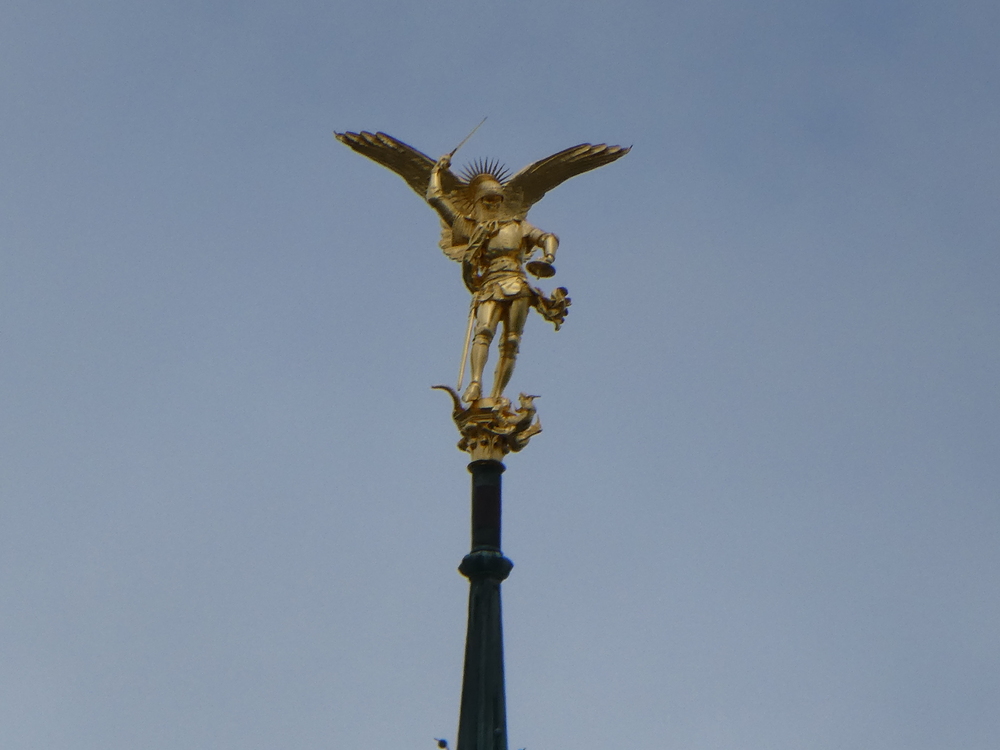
443	163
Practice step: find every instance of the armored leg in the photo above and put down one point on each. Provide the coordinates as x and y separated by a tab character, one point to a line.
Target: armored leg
487	318
513	326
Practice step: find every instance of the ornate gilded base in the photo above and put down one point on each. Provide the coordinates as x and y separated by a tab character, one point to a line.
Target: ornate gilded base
492	428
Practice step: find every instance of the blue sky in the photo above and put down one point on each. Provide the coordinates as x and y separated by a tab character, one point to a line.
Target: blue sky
764	510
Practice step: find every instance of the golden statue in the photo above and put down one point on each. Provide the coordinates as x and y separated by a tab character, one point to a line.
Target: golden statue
484	226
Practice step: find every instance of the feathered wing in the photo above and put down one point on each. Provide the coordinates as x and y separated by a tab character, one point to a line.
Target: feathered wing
413	166
448	246
410	164
529	185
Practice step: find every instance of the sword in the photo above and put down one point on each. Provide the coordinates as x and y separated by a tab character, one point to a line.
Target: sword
466	139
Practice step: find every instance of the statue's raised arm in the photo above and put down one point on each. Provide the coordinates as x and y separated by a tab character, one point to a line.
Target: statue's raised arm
436	196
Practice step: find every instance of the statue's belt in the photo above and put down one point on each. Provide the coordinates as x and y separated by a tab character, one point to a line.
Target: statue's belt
507	283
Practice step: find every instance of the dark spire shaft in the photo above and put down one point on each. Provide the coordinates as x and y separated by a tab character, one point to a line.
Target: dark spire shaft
482	723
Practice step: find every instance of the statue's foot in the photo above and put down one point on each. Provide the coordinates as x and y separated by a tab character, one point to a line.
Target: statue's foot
473	392
497	394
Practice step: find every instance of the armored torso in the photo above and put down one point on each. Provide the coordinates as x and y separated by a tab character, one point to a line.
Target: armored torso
501	260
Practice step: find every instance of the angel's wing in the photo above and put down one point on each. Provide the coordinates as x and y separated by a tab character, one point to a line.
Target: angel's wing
410	164
529	185
448	246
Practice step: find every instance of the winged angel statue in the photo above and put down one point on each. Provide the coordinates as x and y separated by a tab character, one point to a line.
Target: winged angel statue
484	227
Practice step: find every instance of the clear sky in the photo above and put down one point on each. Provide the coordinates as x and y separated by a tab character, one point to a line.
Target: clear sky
764	510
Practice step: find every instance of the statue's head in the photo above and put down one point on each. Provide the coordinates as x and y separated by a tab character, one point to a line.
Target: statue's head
485	179
487	192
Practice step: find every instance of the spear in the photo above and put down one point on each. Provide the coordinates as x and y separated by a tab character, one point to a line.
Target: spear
472	307
468	339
